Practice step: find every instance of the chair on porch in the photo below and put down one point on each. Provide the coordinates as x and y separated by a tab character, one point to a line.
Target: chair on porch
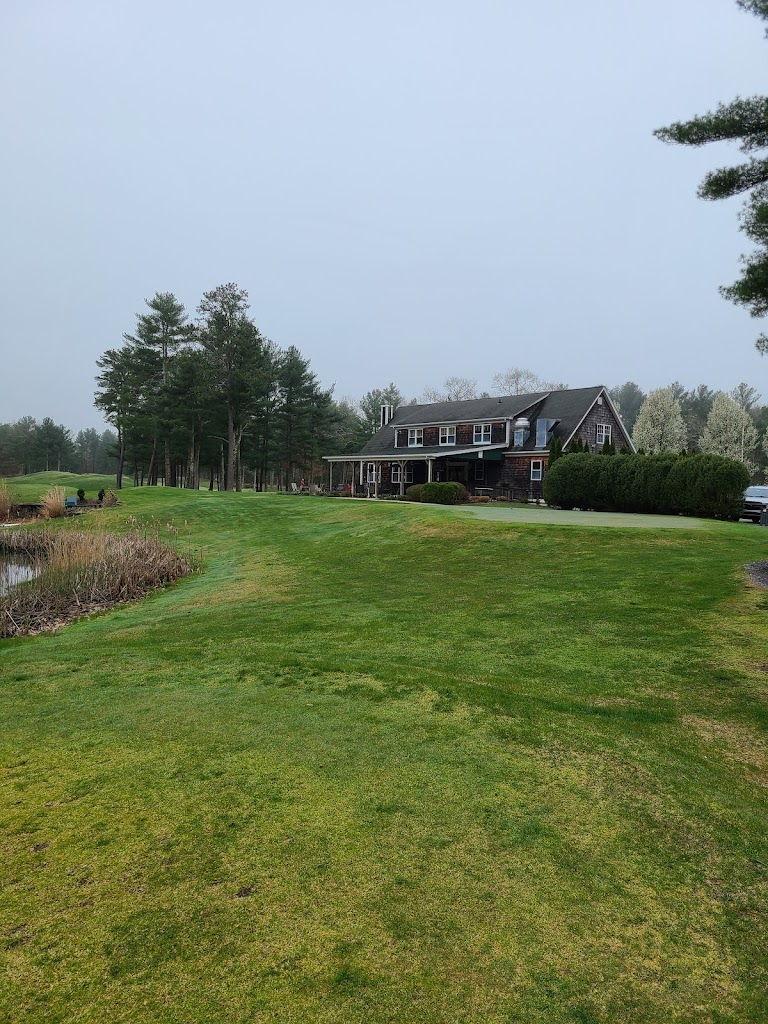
294	488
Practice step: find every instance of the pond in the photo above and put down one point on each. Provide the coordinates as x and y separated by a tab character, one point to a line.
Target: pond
13	571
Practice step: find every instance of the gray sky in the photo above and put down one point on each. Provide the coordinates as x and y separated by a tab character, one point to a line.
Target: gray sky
408	189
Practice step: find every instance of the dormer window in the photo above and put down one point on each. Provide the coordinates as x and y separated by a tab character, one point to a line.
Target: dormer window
521	436
543	430
447	435
482	433
415	437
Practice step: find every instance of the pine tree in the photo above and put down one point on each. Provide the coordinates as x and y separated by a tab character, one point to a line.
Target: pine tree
555	451
744	121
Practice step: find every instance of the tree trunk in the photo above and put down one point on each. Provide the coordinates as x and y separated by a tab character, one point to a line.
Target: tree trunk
229	476
151	470
167	450
120	461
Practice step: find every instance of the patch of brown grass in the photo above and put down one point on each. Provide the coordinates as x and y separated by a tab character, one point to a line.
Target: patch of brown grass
53	503
6	500
741	743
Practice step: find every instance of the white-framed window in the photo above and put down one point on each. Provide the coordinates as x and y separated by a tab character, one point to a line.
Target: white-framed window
482	433
537	469
520	438
479	470
395	473
447	435
604	432
409	472
415	437
374	474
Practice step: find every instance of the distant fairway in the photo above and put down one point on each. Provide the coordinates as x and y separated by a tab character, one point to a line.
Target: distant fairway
34	485
393	763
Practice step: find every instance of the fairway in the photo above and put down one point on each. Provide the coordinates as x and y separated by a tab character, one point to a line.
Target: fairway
384	762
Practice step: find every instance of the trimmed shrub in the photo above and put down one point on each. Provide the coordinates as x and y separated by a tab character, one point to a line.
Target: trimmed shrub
413	493
448	492
694	485
708	485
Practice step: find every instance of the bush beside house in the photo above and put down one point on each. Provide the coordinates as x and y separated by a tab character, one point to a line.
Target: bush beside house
694	485
447	492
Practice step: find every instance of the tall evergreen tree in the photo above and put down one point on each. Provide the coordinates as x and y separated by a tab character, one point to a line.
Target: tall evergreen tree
159	333
744	121
372	401
628	398
232	344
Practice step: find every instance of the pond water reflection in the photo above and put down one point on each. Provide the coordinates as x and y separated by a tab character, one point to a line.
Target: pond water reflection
13	571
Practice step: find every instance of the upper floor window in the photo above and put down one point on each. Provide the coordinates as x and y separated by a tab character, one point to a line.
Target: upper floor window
521	436
543	428
447	435
415	437
482	433
537	469
604	432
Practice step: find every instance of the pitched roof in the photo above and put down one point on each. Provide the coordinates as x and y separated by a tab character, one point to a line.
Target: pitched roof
567	407
464	412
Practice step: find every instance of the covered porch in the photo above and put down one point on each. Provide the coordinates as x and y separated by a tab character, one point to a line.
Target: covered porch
376	474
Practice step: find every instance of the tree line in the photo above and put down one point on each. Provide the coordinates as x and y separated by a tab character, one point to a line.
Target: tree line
672	419
27	446
214	398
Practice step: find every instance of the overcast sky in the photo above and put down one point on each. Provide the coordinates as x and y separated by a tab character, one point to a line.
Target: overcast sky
408	189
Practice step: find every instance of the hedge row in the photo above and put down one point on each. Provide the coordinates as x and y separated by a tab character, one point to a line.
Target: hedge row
691	485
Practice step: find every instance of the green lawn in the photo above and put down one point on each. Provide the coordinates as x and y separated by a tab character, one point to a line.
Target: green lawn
33	486
382	764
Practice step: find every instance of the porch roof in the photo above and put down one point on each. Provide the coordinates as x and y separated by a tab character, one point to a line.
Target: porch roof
415	454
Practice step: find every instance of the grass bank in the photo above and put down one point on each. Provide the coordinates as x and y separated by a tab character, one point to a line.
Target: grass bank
79	572
379	763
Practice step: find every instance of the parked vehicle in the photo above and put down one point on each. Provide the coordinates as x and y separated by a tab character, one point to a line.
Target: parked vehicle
755	503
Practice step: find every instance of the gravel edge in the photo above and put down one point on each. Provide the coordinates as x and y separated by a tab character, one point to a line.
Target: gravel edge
758	574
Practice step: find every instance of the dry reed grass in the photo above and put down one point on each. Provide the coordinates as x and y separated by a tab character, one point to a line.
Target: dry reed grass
6	500
53	503
78	573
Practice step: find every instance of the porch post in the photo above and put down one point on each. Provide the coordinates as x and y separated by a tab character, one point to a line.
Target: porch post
361	472
330	476
402	479
429	471
352	480
376	471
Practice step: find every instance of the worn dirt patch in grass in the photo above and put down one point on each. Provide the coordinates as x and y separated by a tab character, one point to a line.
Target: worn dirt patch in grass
741	743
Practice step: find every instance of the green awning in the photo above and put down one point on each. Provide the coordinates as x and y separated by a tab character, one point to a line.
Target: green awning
493	456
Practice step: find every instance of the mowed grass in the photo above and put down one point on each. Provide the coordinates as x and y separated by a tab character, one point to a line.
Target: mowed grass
34	485
380	764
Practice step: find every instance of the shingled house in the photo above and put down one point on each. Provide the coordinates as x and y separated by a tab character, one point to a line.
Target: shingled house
495	446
